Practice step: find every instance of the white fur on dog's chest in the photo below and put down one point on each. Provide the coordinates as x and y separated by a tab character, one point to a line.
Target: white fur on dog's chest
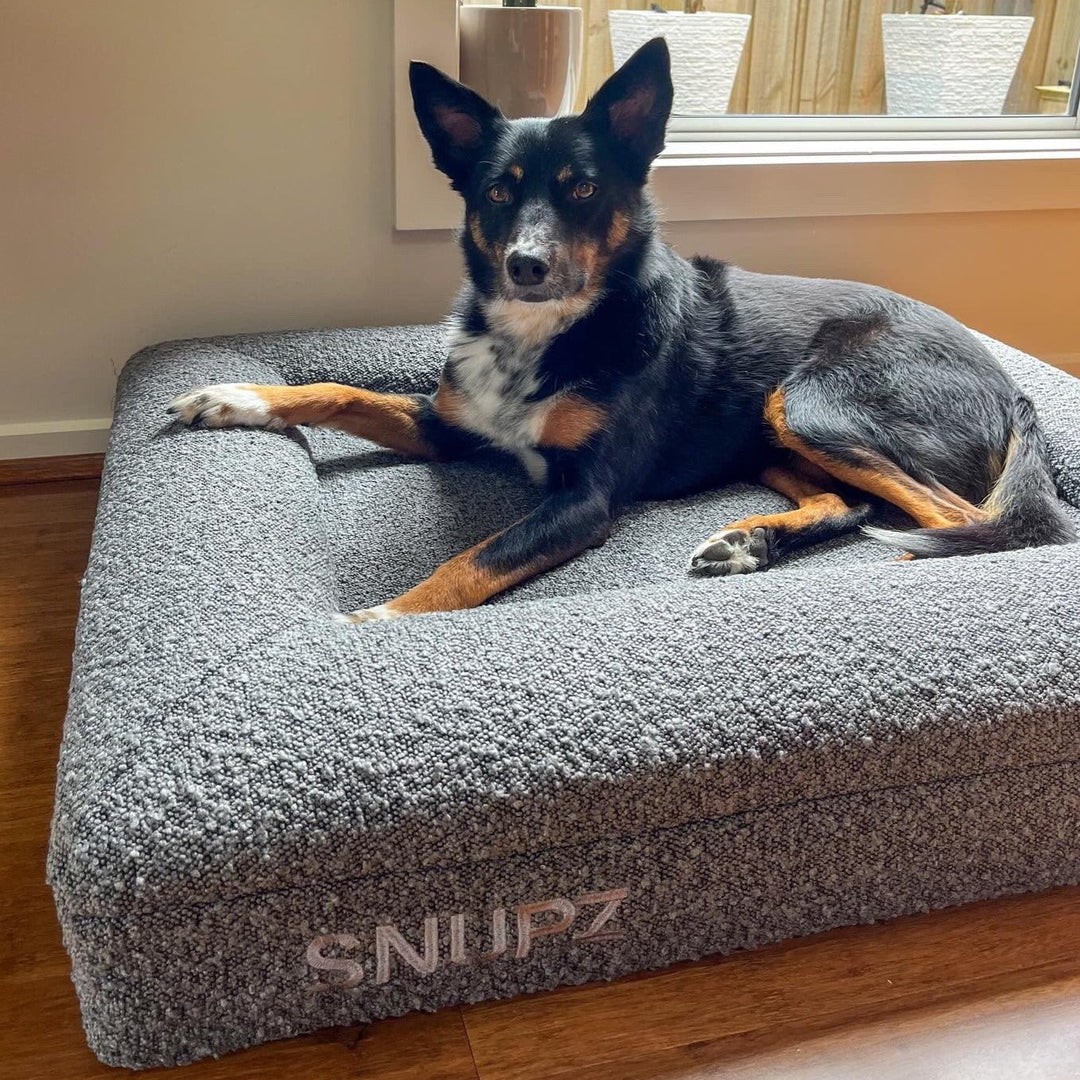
496	380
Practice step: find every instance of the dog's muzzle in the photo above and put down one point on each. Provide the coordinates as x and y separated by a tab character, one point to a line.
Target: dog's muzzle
536	276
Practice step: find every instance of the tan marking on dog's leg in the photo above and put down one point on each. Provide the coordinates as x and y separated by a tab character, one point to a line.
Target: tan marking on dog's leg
463	583
812	511
388	419
798	488
966	513
931	507
458	583
814	503
570	422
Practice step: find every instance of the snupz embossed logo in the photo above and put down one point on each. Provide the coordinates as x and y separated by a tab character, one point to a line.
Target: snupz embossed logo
337	952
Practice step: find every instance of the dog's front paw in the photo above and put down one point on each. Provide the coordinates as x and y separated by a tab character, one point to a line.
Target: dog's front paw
731	551
374	614
224	405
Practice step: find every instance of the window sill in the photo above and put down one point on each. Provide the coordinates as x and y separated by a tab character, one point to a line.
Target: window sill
839	178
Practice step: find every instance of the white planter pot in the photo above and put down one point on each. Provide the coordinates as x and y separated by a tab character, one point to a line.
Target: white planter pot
951	65
527	61
705	52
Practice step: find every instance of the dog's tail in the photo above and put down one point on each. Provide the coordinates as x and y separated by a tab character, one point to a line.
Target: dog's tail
1022	508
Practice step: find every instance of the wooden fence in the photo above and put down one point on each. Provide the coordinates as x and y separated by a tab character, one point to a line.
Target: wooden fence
826	56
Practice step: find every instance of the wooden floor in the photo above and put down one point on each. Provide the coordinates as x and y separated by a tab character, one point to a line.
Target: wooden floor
989	992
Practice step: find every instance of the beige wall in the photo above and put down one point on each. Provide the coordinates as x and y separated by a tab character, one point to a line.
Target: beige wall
183	167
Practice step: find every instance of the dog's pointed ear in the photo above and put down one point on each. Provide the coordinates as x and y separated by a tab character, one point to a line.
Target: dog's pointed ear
632	108
455	120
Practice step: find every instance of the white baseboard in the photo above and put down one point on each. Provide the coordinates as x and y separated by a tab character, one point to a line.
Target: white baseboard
56	438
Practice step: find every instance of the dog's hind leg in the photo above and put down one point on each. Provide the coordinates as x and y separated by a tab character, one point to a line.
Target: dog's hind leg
756	542
932	506
412	424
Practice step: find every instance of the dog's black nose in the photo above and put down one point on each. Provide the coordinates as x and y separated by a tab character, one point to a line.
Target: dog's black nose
526	269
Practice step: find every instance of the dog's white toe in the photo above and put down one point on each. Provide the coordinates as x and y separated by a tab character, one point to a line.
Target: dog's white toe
224	405
374	614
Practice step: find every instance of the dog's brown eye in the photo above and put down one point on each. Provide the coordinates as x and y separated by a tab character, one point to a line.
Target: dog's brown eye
498	193
584	190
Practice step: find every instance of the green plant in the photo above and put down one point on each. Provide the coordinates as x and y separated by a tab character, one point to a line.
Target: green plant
690	7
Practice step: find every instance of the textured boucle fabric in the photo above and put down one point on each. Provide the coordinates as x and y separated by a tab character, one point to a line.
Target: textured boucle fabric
248	790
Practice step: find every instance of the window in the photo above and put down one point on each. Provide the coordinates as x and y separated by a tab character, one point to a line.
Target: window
1003	59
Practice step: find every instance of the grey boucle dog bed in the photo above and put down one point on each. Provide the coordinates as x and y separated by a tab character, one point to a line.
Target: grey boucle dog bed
267	822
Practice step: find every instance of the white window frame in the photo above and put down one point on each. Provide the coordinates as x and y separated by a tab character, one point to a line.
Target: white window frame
741	167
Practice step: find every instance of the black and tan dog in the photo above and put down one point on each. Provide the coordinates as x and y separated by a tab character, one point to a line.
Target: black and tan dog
617	370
